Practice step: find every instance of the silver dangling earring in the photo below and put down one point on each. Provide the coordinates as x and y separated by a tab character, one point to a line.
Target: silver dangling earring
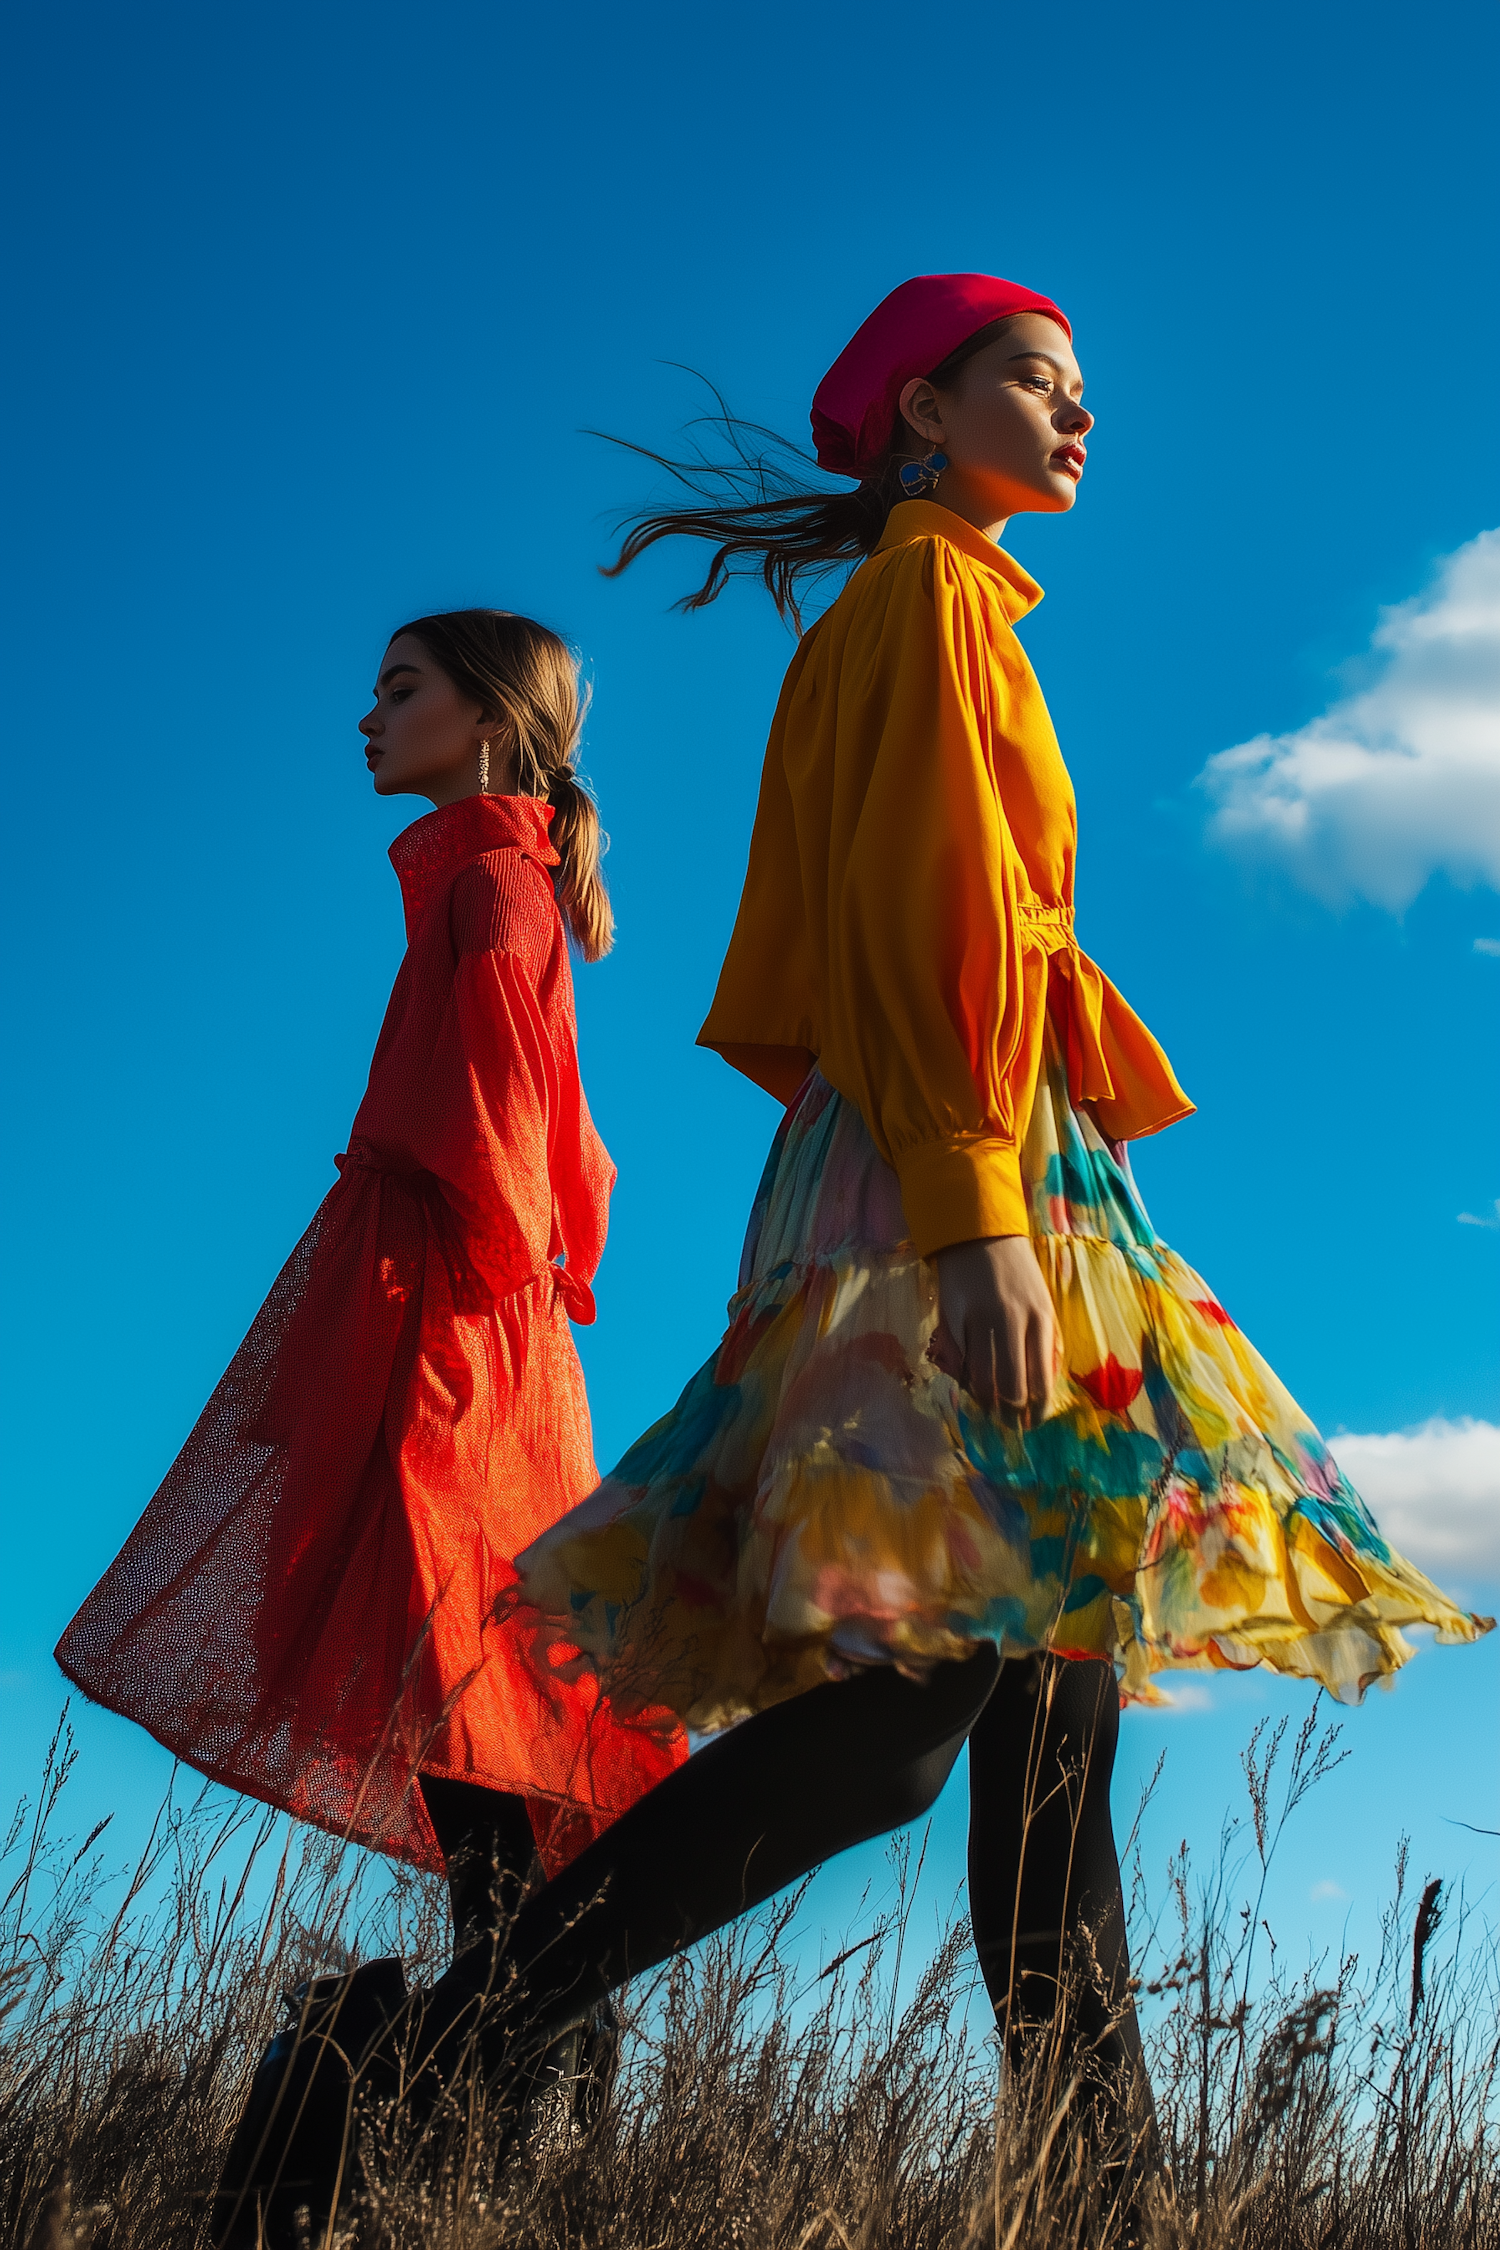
484	767
919	477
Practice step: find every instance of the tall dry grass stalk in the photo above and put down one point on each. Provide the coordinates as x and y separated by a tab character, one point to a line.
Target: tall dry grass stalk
760	2104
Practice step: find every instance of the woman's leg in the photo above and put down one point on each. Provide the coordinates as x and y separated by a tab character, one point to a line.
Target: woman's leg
751	1813
487	1845
1044	1875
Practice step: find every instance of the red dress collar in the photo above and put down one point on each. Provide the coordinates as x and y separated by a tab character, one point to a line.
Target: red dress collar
441	842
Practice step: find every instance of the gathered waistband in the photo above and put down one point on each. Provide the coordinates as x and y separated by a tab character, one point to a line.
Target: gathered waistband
427	1189
1052	926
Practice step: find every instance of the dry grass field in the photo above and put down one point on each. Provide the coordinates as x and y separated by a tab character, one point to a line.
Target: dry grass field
762	2103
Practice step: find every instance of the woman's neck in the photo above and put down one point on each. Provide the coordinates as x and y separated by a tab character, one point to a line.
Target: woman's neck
976	508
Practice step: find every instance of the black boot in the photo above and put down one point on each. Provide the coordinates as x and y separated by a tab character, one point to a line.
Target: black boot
293	2147
576	2074
476	2025
598	2065
1111	2128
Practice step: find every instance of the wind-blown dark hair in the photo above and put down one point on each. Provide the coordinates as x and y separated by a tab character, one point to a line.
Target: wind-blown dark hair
755	497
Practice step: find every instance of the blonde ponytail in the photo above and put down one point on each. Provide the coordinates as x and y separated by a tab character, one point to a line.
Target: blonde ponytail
580	843
525	677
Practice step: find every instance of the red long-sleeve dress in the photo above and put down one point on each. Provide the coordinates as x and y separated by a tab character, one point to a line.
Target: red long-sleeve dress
305	1610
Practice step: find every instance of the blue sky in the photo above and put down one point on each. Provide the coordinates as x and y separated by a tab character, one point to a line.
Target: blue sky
317	306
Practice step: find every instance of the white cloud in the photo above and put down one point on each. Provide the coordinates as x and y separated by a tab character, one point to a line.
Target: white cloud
1327	1889
1487	945
1435	1493
1478	1219
1185	1695
1396	783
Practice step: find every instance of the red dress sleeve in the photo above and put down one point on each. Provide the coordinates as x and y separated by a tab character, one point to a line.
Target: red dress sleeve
492	1108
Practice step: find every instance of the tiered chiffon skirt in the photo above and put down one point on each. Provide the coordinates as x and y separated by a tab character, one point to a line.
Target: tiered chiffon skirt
823	1497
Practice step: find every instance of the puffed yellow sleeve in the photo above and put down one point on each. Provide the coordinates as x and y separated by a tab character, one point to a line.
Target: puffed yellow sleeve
934	1015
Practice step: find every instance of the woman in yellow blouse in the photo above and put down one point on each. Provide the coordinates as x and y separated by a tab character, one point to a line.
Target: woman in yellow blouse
977	1446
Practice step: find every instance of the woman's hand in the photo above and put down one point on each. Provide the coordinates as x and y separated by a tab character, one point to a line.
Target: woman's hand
997	1331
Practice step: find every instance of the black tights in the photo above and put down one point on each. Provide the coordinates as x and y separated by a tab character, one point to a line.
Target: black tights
762	1805
1044	1875
485	1838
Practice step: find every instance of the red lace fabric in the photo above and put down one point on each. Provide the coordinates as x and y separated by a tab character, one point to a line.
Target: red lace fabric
306	1609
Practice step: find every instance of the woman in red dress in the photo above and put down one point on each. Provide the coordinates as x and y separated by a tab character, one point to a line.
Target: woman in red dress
304	1610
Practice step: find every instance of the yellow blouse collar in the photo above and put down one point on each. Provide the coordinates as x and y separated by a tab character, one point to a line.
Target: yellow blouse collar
924	519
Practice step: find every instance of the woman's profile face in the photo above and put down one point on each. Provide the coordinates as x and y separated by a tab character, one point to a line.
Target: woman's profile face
422	737
1012	424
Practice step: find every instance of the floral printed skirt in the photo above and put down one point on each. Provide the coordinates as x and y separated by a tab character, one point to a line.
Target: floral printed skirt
822	1496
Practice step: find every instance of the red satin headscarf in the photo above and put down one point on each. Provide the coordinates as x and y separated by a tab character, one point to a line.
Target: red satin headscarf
909	333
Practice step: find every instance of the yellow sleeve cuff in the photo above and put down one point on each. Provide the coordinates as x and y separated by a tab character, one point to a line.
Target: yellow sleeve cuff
958	1191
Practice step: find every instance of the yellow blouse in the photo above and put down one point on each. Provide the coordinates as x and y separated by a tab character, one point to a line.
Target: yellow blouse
909	897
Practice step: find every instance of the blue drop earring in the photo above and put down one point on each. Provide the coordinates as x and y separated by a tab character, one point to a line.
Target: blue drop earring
919	477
